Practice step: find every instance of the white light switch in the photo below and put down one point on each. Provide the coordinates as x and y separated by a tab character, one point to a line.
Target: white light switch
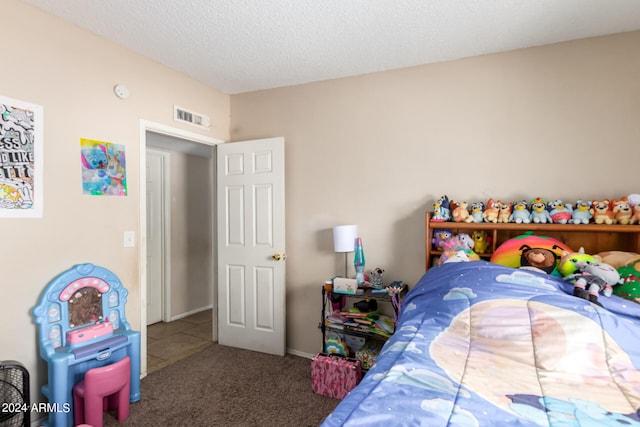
129	239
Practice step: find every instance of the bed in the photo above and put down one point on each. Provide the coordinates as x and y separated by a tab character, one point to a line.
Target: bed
480	344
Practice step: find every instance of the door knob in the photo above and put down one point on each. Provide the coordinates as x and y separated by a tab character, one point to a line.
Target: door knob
278	257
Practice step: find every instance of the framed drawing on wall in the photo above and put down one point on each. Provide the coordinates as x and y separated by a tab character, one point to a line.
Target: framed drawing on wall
21	159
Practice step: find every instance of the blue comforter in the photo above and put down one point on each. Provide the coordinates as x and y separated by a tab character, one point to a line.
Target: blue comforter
478	344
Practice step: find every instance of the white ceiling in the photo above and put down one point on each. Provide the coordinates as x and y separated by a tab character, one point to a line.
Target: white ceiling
246	45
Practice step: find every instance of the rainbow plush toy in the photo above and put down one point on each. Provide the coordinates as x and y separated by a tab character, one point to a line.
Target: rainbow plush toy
509	253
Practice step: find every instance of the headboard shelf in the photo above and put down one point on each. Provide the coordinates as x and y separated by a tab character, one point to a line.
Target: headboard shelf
593	238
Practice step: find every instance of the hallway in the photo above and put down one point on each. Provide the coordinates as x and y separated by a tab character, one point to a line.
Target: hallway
169	342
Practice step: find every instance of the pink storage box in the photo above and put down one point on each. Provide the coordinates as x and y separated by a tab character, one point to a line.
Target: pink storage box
334	375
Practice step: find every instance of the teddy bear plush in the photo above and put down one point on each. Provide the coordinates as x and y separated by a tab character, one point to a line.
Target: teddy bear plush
480	241
538	259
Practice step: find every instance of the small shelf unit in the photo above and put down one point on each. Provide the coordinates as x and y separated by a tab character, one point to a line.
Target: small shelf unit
591	237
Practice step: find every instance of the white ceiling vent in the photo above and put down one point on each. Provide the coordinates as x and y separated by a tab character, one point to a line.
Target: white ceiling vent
182	115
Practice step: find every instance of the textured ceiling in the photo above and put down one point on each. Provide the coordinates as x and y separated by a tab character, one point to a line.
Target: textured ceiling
246	45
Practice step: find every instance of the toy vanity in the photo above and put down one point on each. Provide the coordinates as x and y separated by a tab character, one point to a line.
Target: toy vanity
82	325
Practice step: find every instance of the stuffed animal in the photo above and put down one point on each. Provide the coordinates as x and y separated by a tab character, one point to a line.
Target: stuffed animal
538	259
569	260
480	241
635	218
509	252
504	211
441	212
581	213
630	276
520	214
539	213
460	213
628	266
593	278
452	206
634	202
617	259
440	237
335	345
459	256
465	240
456	250
559	211
601	212
437	214
622	211
477	209
376	278
491	212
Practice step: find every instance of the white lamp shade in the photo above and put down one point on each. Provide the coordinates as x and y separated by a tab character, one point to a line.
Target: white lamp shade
344	238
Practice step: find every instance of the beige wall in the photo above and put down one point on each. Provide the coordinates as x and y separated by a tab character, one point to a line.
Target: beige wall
559	121
375	150
70	73
191	233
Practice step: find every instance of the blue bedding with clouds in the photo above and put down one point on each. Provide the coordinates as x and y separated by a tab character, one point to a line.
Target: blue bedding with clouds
478	344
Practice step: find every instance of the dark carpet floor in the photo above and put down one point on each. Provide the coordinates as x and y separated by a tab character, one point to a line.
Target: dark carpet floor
224	386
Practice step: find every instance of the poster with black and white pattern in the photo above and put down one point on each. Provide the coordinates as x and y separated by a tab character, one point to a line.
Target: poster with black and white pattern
21	159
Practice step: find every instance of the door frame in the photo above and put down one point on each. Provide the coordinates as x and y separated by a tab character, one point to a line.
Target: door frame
144	127
165	286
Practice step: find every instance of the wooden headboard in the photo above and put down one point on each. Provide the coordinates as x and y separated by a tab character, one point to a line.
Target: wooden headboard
594	238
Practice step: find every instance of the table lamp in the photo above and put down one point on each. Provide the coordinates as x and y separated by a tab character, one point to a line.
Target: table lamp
344	238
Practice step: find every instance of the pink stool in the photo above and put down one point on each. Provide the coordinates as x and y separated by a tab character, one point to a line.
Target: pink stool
103	388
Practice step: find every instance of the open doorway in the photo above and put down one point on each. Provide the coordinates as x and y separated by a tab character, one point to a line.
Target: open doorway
180	222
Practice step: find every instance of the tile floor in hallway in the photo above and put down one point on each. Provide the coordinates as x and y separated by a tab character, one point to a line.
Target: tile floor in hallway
172	341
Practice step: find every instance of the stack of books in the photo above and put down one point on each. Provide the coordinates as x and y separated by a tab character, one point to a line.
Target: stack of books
373	322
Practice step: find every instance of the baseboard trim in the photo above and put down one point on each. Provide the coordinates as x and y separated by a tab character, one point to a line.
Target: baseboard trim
300	353
190	313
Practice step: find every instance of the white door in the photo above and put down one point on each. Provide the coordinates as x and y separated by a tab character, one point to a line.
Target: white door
251	245
155	235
